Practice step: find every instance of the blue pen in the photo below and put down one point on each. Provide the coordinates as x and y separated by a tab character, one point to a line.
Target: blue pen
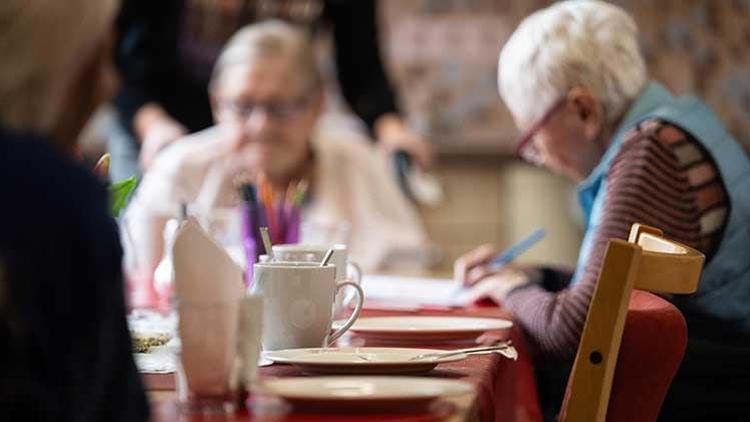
509	254
517	249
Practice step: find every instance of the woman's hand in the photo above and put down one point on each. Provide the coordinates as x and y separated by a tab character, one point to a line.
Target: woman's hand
473	270
498	284
393	135
472	266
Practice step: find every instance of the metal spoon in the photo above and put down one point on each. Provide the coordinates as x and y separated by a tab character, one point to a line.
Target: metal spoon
504	348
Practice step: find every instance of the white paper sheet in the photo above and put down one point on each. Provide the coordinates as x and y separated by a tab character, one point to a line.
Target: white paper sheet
398	292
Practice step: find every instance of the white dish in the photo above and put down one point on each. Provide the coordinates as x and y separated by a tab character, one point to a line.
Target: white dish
263	361
154	363
161	360
360	360
425	328
365	394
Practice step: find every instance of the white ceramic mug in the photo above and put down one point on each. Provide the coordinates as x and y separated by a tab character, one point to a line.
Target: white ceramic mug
345	269
298	303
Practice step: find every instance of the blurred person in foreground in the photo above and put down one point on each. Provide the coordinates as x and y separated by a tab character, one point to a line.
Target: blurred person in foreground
65	351
576	84
267	97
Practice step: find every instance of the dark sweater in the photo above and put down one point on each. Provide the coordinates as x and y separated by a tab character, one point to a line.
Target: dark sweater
65	350
166	50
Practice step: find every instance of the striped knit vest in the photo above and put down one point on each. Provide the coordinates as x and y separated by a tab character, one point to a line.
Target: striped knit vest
724	291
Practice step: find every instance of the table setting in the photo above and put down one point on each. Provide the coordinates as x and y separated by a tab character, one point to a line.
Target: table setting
297	342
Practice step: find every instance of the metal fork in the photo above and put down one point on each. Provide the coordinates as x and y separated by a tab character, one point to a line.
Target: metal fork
504	348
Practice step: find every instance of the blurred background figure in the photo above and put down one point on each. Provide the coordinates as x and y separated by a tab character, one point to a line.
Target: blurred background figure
65	351
576	83
451	100
267	98
166	51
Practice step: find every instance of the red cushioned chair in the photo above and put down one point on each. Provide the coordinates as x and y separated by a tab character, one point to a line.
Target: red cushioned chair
633	341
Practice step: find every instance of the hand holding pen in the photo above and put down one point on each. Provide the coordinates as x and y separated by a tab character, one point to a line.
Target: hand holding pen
491	272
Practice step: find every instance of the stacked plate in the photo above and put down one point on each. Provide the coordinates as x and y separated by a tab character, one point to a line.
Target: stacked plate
361	360
390	360
424	329
365	394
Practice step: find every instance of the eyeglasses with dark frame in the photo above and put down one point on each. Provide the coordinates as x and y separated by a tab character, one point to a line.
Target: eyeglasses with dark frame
277	110
525	148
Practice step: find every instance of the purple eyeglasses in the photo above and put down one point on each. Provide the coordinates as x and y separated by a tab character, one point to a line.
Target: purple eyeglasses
526	149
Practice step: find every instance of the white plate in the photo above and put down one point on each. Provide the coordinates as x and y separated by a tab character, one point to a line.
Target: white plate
161	360
154	363
264	361
360	360
425	328
362	394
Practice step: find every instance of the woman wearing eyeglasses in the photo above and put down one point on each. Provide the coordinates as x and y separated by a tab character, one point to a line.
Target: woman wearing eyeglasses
266	94
166	50
575	81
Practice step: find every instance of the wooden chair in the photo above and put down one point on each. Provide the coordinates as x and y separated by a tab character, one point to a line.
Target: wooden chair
655	337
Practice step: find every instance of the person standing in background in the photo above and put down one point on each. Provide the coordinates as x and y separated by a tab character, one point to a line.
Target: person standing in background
166	51
65	350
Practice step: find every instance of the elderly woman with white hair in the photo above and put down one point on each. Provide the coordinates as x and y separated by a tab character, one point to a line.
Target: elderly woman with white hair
65	350
267	99
575	81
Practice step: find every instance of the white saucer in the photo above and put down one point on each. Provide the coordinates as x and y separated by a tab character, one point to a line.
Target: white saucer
360	360
161	360
417	329
364	394
264	361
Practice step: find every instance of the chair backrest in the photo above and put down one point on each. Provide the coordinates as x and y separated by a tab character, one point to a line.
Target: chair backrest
646	261
652	348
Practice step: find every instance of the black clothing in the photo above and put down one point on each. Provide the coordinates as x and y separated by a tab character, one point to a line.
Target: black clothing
166	50
65	349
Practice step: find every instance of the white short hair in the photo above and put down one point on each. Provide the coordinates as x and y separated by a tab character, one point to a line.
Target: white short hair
45	44
586	43
271	39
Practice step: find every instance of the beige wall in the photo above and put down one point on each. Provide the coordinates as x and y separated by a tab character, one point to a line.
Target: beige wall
499	201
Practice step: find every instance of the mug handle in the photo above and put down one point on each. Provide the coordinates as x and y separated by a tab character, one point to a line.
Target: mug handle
357	270
357	309
353	268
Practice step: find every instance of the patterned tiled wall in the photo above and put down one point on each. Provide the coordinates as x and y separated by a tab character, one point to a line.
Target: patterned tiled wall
442	56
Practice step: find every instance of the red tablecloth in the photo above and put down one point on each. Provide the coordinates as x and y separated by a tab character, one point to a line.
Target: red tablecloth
506	390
